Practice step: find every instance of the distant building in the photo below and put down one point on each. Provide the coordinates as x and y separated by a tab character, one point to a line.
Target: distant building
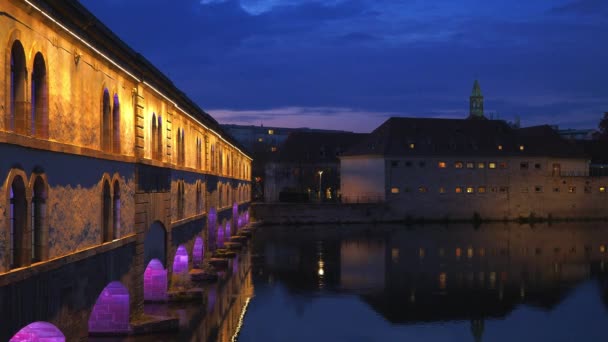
263	143
307	167
454	168
578	134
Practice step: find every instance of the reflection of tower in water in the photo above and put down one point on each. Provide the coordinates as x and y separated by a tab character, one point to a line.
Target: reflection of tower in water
321	265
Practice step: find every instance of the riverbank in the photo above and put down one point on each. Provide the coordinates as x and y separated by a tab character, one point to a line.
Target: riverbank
363	213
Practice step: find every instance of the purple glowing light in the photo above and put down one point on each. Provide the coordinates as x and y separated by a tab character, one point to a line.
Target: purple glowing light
220	236
228	226
111	311
180	262
211	228
155	282
197	253
39	332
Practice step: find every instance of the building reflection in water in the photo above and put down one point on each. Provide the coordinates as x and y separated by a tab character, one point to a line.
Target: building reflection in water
433	273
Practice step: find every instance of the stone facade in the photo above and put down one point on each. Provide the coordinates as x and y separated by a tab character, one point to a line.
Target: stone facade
97	147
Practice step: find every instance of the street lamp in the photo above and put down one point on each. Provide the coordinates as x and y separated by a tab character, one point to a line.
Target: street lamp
320	177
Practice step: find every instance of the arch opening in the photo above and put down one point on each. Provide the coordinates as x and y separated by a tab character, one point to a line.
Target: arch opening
116	211
116	125
18	85
111	311
106	122
154	244
17	222
106	225
39	104
39	332
180	266
38	219
155	282
198	252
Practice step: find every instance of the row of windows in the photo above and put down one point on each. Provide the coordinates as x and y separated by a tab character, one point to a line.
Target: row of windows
473	165
226	196
29	107
497	189
499	147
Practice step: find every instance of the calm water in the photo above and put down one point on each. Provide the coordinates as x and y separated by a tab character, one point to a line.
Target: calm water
397	283
431	283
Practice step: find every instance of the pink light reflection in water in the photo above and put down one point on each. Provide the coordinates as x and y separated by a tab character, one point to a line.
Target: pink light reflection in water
39	332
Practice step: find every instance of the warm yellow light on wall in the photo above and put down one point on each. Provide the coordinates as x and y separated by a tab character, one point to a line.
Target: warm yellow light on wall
441	165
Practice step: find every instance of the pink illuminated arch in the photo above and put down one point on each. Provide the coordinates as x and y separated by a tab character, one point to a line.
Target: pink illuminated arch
180	267
211	228
220	236
228	231
198	251
39	332
111	311
155	282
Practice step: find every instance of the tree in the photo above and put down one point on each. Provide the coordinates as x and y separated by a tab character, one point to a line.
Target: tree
603	126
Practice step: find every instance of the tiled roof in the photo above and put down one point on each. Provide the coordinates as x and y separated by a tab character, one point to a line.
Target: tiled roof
444	137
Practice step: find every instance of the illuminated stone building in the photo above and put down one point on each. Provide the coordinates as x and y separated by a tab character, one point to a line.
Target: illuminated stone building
458	168
107	170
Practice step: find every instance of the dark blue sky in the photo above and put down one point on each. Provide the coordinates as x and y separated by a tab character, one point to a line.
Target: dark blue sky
350	64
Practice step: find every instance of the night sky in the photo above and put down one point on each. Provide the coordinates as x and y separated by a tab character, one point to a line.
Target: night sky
350	64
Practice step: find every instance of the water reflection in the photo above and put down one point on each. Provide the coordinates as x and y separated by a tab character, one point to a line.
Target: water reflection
455	276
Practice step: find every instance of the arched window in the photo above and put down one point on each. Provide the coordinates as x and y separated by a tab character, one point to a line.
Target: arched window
182	148
40	104
154	137
19	104
199	197
159	139
180	199
18	223
106	225
38	220
199	156
116	125
116	211
106	123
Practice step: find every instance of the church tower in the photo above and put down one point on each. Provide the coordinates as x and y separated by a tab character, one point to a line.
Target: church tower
476	103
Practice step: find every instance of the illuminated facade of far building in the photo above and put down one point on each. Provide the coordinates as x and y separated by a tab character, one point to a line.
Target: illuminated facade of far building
461	168
107	170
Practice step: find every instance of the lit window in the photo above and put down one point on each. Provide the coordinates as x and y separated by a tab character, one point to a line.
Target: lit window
458	252
270	131
481	165
492	165
273	149
458	190
458	165
538	188
571	189
395	254
470	252
260	139
500	147
441	165
421	252
470	190
521	147
470	165
602	248
602	189
422	189
503	165
443	279
412	146
442	190
481	189
482	252
394	190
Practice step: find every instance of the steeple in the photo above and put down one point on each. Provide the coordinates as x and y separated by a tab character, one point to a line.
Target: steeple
476	102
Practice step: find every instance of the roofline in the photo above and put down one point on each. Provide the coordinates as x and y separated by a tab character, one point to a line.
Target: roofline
143	67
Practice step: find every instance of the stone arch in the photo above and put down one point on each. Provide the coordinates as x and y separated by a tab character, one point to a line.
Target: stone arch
116	208
106	210
39	188
116	124
18	232
106	121
180	266
39	125
212	228
111	311
17	82
39	331
198	252
155	246
155	282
